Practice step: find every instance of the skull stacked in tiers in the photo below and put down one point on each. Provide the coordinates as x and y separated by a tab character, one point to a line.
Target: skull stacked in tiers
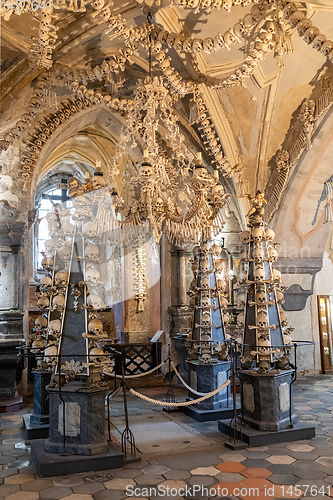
266	332
209	302
72	291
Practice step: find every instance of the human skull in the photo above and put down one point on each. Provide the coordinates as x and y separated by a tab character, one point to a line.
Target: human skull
58	302
146	170
92	252
206	357
264	342
223	302
289	9
319	41
239	29
51	217
205	302
283	318
65	252
220	284
206	4
265	36
197	46
205	265
259	274
193	284
50	354
205	320
89	229
37	344
272	254
219	265
216	250
295	18
46	262
240	319
262	320
217	192
258	255
204	248
61	277
303	25
43	303
50	247
257	234
279	297
245	236
269	235
54	327
46	281
208	45
92	276
159	205
261	298
187	45
310	34
95	326
68	229
40	322
96	355
98	181
205	282
276	275
327	47
95	301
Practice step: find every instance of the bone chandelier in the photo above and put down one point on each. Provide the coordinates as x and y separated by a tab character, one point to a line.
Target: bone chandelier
172	195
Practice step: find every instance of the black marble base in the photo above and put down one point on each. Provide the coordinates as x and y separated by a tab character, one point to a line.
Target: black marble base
51	464
209	415
254	437
84	420
34	431
205	378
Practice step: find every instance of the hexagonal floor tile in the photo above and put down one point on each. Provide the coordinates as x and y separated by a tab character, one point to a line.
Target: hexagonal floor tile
155	469
300	447
256	482
24	495
119	484
281	459
225	489
205	471
326	461
256	472
78	496
231	467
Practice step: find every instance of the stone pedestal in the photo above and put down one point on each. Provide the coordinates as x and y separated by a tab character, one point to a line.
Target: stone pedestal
266	400
84	420
206	377
37	424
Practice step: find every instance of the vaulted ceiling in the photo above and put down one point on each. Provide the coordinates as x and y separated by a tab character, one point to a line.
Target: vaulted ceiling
237	101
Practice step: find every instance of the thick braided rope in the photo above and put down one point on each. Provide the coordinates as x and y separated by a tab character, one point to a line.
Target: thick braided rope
138	375
185	384
183	403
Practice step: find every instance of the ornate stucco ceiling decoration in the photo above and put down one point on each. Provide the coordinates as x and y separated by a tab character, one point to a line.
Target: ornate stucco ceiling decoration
232	95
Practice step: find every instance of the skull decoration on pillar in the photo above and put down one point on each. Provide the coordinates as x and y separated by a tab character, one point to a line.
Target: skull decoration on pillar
264	322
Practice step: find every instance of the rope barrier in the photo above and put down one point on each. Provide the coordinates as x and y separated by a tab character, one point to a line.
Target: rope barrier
185	384
138	375
183	403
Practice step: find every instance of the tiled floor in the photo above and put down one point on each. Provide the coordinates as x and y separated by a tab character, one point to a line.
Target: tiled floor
189	461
